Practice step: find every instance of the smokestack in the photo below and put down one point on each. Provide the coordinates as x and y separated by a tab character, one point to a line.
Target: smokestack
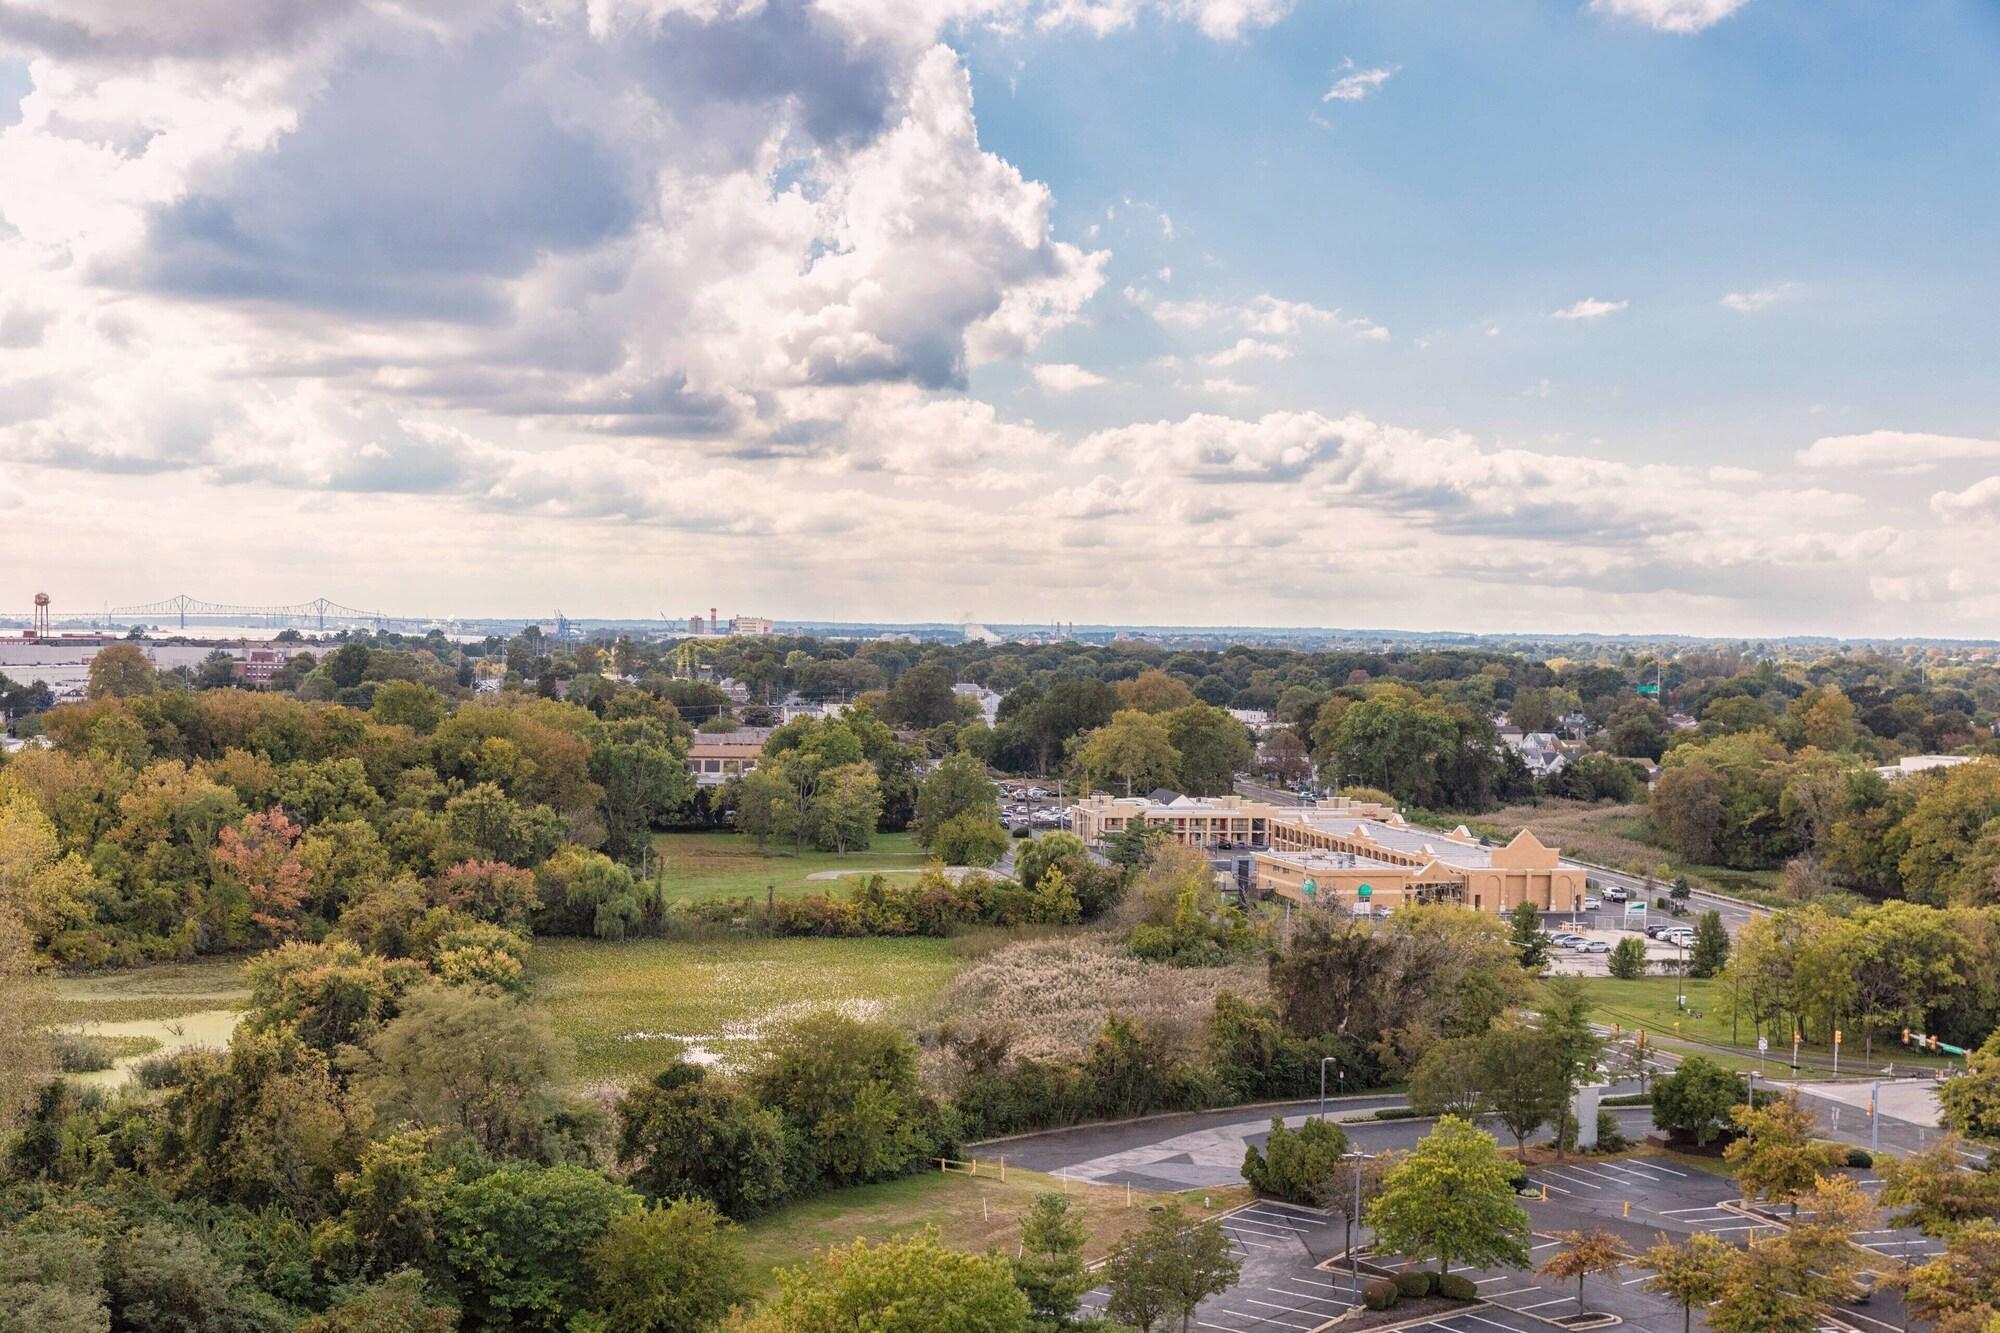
714	626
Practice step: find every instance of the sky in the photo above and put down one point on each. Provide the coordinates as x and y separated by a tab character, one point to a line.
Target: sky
1554	315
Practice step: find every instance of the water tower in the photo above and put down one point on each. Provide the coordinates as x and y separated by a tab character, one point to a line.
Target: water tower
41	630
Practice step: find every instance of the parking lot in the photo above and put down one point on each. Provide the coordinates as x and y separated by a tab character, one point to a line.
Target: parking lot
1293	1279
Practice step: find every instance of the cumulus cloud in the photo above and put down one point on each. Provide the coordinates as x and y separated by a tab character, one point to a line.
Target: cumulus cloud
1677	16
1062	377
1590	308
1355	84
1896	449
1977	503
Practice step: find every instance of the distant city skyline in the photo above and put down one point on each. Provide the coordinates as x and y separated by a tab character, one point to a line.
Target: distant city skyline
1639	316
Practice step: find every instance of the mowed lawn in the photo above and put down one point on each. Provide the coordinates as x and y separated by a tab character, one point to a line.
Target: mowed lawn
627	1004
1647	1003
702	866
971	1212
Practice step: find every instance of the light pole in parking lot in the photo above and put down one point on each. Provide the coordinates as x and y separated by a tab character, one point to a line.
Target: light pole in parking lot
1339	1073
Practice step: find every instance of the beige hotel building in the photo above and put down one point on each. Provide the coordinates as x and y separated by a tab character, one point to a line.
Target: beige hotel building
1342	852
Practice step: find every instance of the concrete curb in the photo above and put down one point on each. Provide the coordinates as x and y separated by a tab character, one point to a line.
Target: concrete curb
1168	1115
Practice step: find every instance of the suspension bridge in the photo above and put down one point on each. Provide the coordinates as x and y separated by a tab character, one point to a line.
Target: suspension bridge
317	614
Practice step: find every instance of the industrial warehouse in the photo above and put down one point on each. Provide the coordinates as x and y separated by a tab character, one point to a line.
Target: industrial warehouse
1356	854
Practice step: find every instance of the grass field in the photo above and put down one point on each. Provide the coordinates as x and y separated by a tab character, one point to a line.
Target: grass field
702	866
626	1004
1648	1003
970	1213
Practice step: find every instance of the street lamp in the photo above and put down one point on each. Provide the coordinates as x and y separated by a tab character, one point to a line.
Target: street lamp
1680	978
1339	1073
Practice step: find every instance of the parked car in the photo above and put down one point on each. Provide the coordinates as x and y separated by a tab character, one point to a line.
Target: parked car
1590	946
1564	939
1682	938
1614	894
1592	902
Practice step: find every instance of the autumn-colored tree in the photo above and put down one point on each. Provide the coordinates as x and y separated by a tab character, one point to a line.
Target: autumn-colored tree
260	855
1959	1290
1581	1254
1690	1271
1935	1191
1778	1158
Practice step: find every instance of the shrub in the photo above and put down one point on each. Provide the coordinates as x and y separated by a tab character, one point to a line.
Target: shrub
1413	1284
1610	1136
77	1054
1021	831
1380	1294
1455	1287
175	1069
1860	1158
1296	1164
1398	1113
1628	959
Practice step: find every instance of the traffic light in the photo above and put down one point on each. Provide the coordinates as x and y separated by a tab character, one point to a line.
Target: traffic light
1836	1036
1934	1043
1906	1036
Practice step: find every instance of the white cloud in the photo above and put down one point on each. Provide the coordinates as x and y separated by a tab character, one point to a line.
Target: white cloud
1898	449
1248	349
1062	377
1677	16
1750	302
1977	503
1588	308
1356	84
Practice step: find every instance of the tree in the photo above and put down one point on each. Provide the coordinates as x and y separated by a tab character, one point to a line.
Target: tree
1521	1081
405	703
1294	1165
643	771
1971	1101
1134	748
27	1009
1045	853
1168	1267
1452	1197
389	1207
1419	748
1153	691
1525	923
849	1095
921	698
690	1135
908	1284
1687	809
671	1268
260	858
1582	1254
1959	1290
519	1239
1778	1157
1285	756
957	786
1710	953
399	1303
1132	844
1759	1296
1934	1190
1214	747
1449	1079
1049	1269
1690	1272
1697	1099
1628	959
846	808
120	671
466	1062
762	800
1574	1044
970	839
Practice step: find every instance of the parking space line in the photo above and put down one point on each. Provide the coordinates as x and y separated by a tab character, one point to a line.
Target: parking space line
1239	1220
